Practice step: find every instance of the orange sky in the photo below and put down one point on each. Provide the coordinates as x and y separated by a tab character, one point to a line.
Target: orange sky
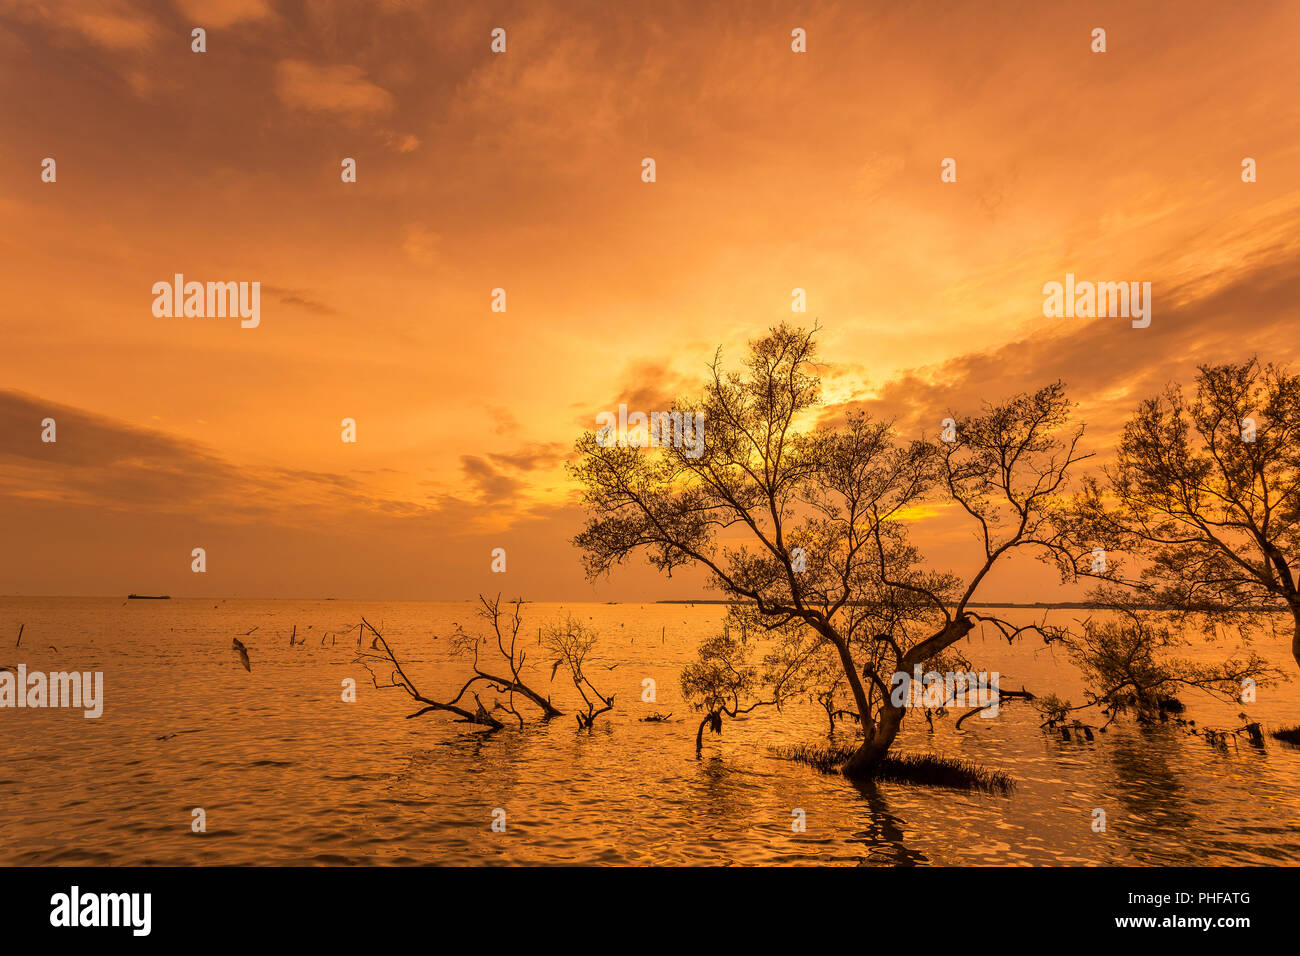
522	171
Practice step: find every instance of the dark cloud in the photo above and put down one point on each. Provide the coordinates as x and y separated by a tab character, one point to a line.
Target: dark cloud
532	456
299	299
491	484
647	386
109	465
98	460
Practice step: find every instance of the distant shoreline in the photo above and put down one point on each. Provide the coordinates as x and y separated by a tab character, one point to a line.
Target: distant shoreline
1037	605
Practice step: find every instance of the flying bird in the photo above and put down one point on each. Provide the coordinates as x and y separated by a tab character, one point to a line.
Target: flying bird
239	647
179	732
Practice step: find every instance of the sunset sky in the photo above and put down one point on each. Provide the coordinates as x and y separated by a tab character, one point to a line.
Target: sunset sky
522	170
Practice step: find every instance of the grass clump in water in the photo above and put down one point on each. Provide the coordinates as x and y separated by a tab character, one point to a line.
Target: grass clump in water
930	770
825	758
1288	735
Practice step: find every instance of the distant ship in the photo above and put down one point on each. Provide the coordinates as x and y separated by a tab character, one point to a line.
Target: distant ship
148	597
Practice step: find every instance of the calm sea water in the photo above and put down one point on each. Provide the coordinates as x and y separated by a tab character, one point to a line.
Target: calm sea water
288	773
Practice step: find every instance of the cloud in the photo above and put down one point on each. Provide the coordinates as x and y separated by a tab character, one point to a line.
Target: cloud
648	386
113	32
110	466
116	25
295	297
341	90
101	462
223	13
421	244
401	143
491	484
504	423
1106	365
532	456
110	504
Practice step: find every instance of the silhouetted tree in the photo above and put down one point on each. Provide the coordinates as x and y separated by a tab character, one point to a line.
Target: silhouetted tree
570	643
806	525
1205	494
1128	661
725	680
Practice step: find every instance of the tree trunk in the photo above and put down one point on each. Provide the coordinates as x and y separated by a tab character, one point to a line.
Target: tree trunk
862	765
1295	635
712	720
850	673
867	757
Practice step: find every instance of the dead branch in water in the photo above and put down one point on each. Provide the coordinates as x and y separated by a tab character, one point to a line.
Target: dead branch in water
505	627
20	635
398	678
1251	730
570	641
1002	695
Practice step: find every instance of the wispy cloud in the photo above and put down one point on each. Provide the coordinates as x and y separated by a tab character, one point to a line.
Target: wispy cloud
223	13
338	90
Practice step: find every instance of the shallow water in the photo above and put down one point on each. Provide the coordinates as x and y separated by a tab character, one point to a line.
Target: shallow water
288	773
